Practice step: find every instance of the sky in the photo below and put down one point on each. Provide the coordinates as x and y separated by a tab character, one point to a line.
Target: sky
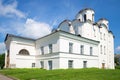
36	18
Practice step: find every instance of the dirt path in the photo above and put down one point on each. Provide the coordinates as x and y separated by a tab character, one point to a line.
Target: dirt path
2	77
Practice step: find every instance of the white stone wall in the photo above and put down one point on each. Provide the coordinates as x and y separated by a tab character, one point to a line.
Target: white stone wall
17	44
64	46
92	61
23	61
52	39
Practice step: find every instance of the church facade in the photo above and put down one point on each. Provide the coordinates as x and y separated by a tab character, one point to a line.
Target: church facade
80	43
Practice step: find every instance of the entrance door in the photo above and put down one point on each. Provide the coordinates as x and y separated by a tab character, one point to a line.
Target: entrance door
103	65
50	65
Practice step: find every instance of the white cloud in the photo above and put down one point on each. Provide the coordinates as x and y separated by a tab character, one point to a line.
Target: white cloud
118	48
31	28
10	10
2	47
34	29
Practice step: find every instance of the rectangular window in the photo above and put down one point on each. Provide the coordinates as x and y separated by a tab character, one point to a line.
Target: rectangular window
42	64
42	50
104	50
101	48
84	64
33	64
104	36
82	49
94	33
50	48
70	64
70	47
91	50
50	65
92	17
101	35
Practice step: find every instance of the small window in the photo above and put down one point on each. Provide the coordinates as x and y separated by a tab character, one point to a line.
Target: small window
94	33
92	17
85	17
33	64
82	49
42	50
91	50
70	64
23	52
104	36
42	64
50	48
70	47
104	50
101	35
84	64
101	48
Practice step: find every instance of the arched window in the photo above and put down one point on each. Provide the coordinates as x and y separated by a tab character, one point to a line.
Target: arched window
85	17
23	52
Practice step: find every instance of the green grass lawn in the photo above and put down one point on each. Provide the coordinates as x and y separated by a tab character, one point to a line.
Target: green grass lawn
68	74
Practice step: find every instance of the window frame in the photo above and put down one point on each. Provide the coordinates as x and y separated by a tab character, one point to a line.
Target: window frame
91	50
104	50
81	49
70	63
101	49
70	47
42	64
50	48
24	52
50	64
33	65
42	50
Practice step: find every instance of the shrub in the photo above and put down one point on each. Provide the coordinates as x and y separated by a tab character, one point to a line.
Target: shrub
117	67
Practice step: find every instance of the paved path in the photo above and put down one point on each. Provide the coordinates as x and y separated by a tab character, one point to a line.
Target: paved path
2	77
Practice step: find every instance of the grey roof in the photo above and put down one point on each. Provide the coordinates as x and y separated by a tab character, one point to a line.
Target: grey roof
66	20
103	19
85	10
11	35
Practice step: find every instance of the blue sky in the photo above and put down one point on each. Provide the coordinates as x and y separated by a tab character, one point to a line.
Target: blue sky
36	18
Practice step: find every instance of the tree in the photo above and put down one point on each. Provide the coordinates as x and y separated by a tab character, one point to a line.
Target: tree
2	60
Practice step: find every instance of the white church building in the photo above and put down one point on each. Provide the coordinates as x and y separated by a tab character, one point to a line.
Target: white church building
80	43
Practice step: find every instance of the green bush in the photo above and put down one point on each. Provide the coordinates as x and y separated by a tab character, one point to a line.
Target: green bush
117	67
2	60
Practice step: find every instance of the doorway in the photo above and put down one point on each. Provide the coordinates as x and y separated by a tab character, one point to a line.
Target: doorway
103	65
50	65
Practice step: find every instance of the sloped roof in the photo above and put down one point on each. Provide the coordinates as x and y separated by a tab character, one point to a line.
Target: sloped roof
11	35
